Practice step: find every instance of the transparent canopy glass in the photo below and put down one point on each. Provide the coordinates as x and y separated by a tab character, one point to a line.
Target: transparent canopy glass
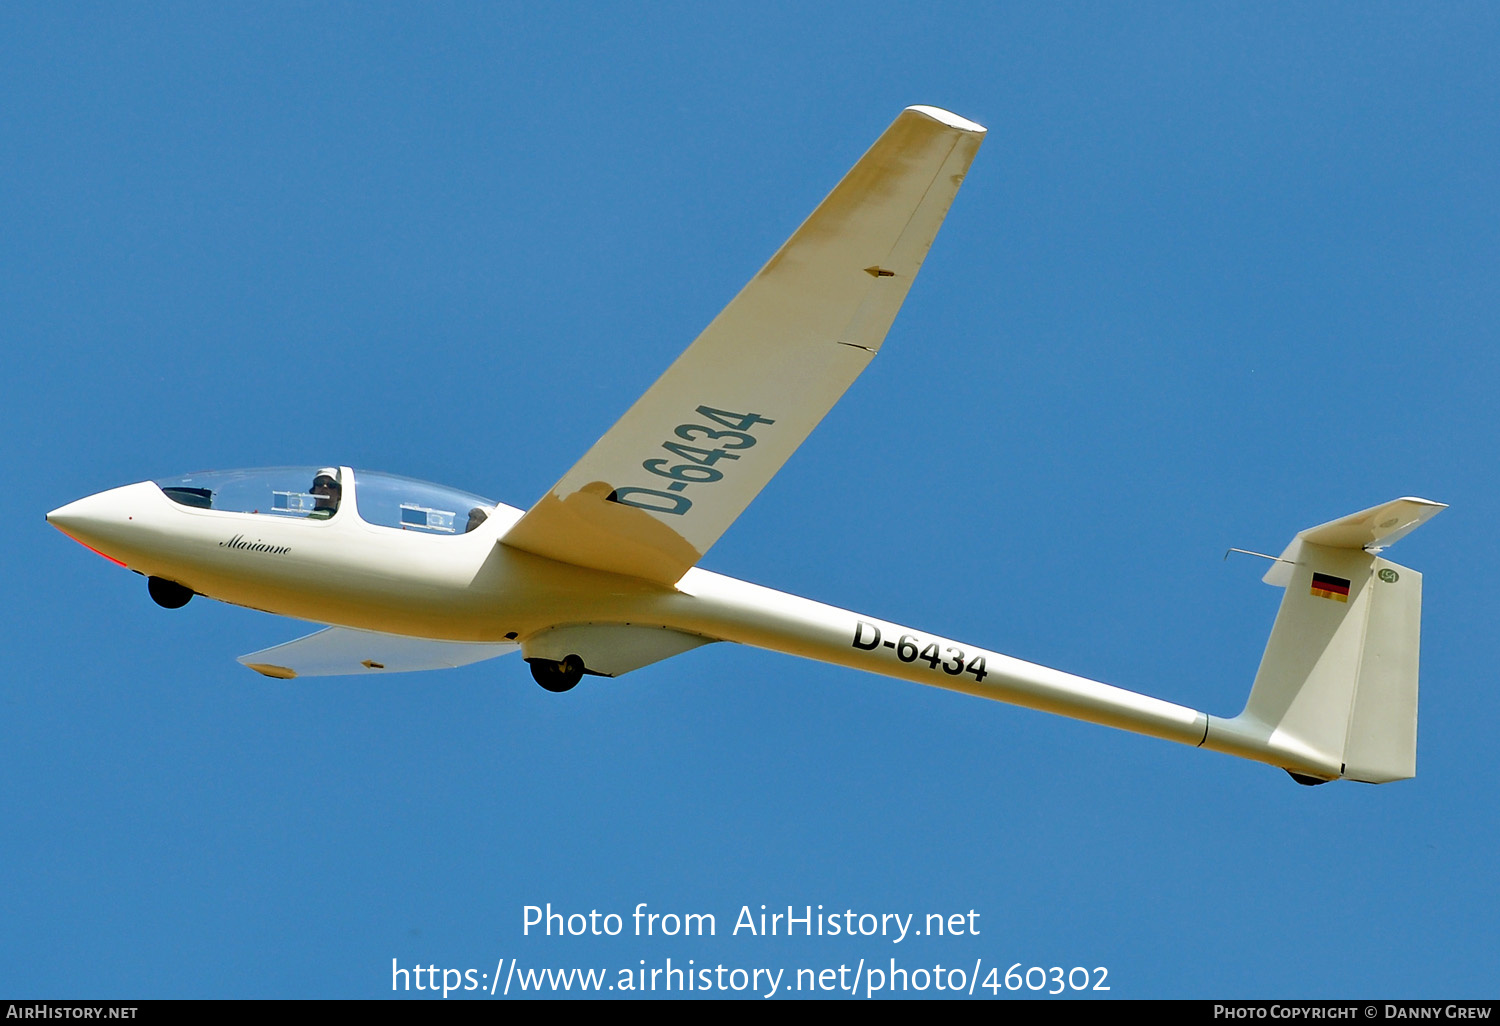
386	500
393	501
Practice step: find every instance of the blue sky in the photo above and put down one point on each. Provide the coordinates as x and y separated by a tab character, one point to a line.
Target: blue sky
1218	273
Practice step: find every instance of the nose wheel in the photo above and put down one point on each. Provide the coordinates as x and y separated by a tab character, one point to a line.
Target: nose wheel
557	676
168	594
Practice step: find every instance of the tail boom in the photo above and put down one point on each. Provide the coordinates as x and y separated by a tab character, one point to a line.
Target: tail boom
1335	696
737	611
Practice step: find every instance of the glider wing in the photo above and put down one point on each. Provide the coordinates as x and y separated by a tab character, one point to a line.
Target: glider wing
668	479
336	651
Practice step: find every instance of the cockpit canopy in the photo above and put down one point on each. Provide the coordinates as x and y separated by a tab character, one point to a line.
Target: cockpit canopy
386	500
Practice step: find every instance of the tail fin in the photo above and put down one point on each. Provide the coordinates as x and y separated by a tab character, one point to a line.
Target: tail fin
1336	693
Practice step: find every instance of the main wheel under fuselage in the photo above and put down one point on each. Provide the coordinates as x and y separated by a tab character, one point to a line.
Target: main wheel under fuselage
557	676
168	594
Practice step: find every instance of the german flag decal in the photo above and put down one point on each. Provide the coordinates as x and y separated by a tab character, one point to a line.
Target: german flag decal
1330	587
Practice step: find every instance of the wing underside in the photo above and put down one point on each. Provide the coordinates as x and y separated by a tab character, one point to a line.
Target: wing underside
337	651
669	478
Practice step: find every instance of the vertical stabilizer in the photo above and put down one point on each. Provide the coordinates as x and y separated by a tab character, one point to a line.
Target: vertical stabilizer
1336	692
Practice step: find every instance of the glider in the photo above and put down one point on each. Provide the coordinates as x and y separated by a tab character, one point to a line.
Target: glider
600	576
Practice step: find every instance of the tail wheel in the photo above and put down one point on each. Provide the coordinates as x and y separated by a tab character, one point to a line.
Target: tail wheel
168	594
555	676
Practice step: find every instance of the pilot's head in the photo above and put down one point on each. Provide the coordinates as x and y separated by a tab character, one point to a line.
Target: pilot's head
327	488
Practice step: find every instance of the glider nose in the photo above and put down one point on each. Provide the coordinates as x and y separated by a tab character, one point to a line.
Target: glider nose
85	515
96	522
74	515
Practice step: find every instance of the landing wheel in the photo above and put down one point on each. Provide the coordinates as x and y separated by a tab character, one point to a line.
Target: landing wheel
168	594
557	677
1305	780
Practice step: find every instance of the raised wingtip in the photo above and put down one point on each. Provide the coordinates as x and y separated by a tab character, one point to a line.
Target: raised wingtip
267	670
947	117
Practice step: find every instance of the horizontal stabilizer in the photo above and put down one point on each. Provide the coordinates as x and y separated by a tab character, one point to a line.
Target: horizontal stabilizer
1372	529
335	651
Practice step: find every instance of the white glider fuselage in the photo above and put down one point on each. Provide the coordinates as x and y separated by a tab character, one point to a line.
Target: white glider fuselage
467	588
600	575
470	588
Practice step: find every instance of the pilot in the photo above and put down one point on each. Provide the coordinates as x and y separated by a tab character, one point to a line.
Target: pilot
328	492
